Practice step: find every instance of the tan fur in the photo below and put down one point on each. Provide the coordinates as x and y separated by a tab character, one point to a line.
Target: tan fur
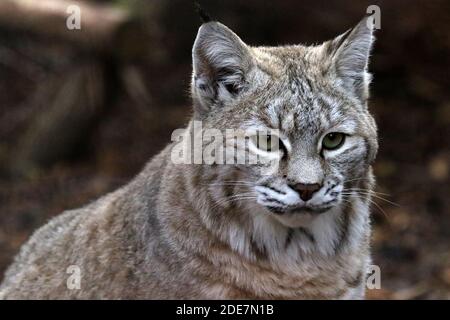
166	236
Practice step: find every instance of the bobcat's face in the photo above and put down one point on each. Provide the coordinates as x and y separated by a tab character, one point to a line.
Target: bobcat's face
316	100
325	147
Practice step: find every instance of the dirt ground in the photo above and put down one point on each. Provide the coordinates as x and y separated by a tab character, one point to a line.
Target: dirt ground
410	101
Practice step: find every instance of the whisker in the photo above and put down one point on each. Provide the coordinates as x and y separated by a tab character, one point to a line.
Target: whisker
386	200
362	189
371	201
227	185
238	195
375	195
230	183
356	179
224	201
379	208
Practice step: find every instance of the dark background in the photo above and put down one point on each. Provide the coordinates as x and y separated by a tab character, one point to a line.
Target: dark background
76	123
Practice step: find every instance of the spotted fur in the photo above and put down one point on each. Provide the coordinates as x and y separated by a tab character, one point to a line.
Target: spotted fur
230	231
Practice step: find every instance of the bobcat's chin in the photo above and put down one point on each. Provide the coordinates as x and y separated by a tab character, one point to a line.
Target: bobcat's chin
299	217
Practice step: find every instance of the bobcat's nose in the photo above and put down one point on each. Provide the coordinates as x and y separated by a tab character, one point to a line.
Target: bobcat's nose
306	191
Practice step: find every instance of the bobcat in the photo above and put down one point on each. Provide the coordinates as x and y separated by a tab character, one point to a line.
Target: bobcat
232	231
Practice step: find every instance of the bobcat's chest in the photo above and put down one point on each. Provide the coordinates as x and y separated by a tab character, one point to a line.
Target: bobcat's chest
337	279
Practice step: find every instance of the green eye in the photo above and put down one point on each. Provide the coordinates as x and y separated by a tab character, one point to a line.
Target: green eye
333	140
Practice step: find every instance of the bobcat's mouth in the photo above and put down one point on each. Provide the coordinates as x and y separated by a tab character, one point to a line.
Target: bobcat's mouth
299	209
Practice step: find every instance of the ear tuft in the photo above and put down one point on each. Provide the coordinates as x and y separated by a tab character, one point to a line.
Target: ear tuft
221	61
204	16
350	57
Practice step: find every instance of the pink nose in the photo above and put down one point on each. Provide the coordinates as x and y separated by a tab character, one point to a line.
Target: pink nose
306	191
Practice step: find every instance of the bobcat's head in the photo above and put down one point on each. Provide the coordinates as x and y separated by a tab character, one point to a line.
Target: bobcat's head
316	98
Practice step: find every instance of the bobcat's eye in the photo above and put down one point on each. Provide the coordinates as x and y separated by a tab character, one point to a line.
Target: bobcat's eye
333	140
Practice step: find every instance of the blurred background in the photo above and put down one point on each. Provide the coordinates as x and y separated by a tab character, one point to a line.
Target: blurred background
81	111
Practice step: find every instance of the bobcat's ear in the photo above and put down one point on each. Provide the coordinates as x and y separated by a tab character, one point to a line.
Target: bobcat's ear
350	57
221	61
